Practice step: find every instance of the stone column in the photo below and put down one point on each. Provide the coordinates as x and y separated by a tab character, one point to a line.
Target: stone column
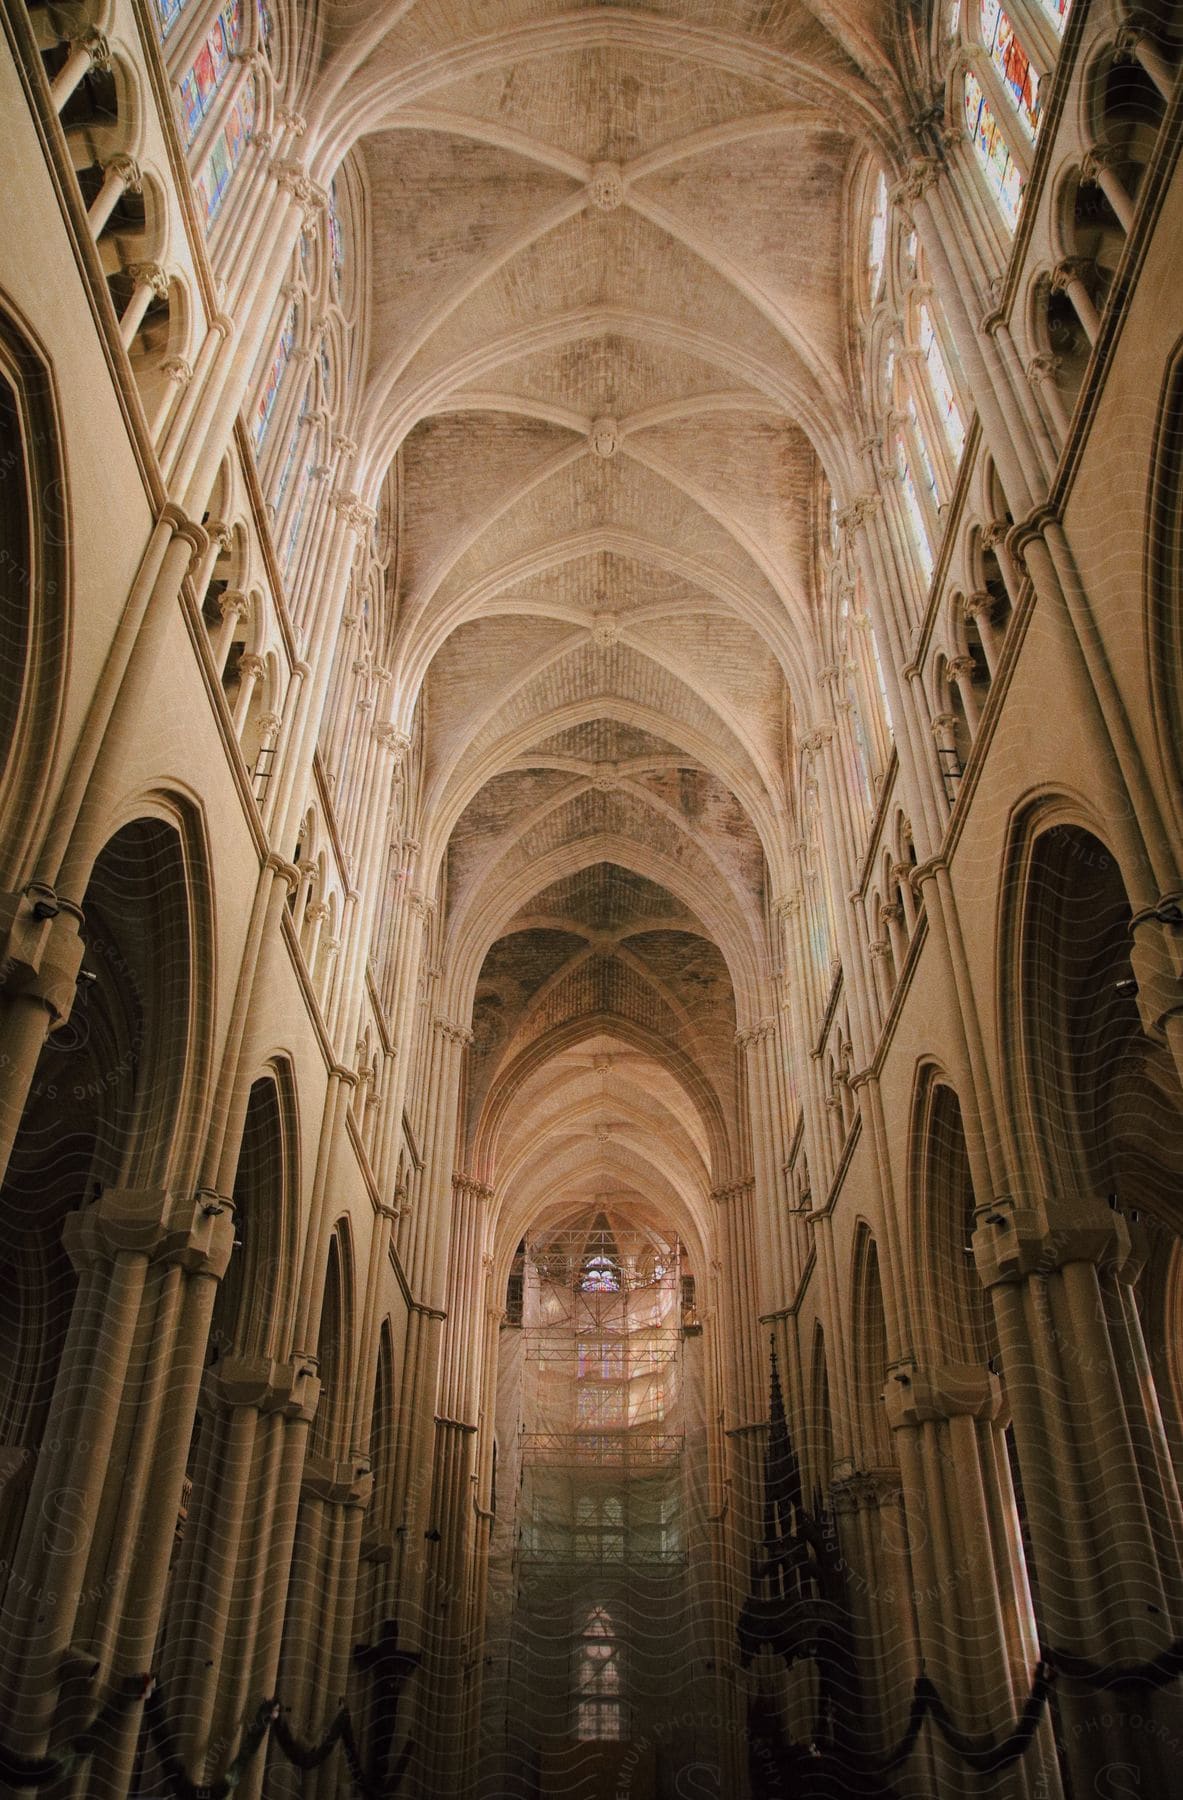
1042	371
232	606
1101	1496
1135	43
88	1573
150	282
1068	278
121	175
88	50
1099	169
980	606
977	1631
449	1554
40	925
961	670
869	1513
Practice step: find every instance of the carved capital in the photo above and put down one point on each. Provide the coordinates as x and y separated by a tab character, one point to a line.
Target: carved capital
94	45
914	1395
452	1032
127	170
150	274
1044	367
1071	270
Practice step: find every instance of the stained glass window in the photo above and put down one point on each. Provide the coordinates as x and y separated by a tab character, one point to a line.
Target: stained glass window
289	463
298	516
168	12
598	1684
336	241
948	410
1018	78
226	153
275	373
992	151
913	509
201	81
1057	11
877	249
926	464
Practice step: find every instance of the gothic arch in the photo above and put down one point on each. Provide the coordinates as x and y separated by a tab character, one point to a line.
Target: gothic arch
1164	579
35	590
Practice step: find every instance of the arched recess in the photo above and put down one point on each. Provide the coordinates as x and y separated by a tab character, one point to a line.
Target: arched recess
105	1114
34	592
870	1353
1164	579
333	1352
1100	1102
952	1303
235	1427
819	1424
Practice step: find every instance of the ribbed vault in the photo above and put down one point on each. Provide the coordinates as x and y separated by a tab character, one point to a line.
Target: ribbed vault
608	360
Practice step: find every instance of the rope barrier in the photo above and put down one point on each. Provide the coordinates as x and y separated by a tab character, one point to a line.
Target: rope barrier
984	1755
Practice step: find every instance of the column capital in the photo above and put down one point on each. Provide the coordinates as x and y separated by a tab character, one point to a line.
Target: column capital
815	739
1071	269
150	274
1014	1239
755	1033
452	1032
291	1388
1043	367
921	174
733	1190
196	1232
41	950
93	44
127	170
859	510
463	1183
914	1395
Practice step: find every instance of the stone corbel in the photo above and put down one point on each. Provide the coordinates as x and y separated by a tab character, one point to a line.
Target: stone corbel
914	1395
1012	1240
197	1233
40	948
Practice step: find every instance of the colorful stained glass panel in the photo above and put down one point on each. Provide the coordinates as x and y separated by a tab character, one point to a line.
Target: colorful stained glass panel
947	408
1003	177
1018	78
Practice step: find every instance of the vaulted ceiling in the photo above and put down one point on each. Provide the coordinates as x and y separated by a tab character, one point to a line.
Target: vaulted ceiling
610	350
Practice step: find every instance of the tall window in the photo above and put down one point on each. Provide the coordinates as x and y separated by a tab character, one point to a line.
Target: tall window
1019	81
274	379
1003	98
1003	177
217	172
944	398
877	245
914	511
599	1683
205	74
